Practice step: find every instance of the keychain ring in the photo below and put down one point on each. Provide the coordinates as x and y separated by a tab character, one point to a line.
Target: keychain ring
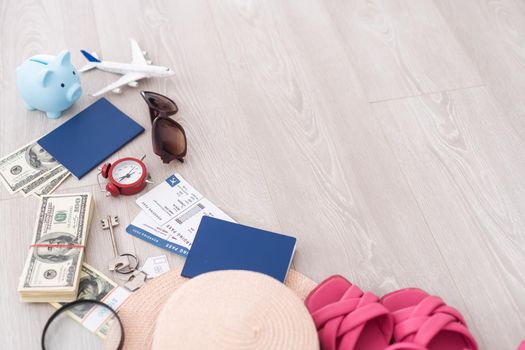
128	269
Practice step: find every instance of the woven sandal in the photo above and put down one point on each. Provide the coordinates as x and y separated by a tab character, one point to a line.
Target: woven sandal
422	320
348	319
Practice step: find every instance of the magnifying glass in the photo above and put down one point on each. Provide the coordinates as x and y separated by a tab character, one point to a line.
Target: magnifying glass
94	319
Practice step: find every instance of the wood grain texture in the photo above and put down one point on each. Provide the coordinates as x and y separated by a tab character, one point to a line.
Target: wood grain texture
457	153
315	120
493	38
401	47
324	167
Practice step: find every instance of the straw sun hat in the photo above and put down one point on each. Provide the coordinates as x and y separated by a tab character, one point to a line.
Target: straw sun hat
218	310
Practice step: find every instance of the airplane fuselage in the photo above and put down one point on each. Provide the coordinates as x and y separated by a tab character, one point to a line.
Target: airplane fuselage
124	68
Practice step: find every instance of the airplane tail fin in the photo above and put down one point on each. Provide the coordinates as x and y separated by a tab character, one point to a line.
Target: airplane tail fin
90	57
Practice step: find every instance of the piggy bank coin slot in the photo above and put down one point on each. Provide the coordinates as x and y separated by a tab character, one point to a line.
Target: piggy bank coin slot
38	61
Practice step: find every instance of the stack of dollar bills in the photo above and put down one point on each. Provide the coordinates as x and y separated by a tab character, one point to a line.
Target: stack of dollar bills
30	170
54	261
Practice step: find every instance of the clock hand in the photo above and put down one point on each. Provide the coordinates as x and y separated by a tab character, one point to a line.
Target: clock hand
127	175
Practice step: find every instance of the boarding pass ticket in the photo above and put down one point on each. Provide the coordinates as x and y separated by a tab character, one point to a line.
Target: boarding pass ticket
171	214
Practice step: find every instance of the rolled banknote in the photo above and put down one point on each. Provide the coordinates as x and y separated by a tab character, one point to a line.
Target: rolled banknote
25	165
95	285
52	268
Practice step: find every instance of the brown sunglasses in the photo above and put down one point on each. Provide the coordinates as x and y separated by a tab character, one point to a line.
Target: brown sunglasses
168	136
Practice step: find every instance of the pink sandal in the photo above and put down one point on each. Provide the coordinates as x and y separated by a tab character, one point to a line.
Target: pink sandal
422	320
348	319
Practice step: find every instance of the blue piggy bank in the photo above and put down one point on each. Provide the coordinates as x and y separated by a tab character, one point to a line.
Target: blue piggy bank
50	84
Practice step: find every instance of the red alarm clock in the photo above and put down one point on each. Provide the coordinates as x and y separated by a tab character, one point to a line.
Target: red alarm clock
126	176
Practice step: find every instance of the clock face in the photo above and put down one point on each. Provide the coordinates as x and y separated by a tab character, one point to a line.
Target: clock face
127	172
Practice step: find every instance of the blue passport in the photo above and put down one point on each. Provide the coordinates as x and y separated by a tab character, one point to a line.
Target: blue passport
87	139
224	245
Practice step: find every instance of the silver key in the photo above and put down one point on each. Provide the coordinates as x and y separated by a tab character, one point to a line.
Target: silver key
120	263
136	280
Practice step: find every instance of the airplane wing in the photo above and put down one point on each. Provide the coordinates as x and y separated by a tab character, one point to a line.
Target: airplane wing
136	54
125	79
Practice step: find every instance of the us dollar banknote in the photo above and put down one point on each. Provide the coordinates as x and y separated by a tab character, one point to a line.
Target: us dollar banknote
52	268
51	185
43	179
25	165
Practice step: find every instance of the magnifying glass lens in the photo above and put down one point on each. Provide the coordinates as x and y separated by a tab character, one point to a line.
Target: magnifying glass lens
85	325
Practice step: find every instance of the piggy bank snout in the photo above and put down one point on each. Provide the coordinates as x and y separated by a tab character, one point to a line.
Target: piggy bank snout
74	92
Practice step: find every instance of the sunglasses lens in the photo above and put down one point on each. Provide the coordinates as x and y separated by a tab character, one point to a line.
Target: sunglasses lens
169	140
160	103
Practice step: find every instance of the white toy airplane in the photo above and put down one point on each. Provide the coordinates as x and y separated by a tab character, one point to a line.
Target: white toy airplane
139	68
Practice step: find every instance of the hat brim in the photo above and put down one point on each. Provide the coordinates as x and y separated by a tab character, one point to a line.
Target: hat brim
140	311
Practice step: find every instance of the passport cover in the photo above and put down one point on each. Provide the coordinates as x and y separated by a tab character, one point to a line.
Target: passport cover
91	136
224	245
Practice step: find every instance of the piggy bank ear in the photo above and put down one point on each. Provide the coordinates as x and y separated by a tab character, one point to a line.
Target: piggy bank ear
45	77
63	58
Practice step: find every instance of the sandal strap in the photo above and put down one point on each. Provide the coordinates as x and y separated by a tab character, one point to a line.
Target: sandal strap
352	299
329	312
427	319
431	305
421	330
406	346
361	316
348	317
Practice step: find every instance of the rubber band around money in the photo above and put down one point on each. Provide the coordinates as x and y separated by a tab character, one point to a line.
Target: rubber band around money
42	245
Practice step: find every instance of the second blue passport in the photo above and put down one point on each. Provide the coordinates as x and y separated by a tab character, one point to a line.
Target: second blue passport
223	245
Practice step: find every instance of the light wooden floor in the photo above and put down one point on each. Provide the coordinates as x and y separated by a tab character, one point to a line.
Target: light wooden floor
387	135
